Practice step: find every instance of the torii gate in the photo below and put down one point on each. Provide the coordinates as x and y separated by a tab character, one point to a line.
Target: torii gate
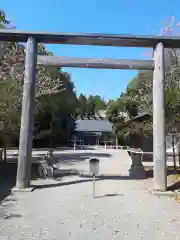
158	43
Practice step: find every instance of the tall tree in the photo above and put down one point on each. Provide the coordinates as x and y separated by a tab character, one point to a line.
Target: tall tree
91	106
82	105
116	117
100	104
10	94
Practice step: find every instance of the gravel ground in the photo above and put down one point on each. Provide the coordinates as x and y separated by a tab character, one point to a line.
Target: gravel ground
122	209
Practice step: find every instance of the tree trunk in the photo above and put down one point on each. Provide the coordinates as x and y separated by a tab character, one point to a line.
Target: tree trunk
178	149
130	139
5	152
1	151
174	154
51	130
117	143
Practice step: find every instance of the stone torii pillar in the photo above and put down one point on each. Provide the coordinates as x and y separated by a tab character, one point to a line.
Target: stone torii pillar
27	116
159	135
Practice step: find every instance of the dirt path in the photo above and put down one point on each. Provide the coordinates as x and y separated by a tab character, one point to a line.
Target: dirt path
122	209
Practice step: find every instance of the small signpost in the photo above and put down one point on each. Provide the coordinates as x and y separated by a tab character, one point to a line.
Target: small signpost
105	145
94	169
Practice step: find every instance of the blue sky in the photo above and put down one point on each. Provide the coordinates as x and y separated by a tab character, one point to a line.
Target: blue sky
94	16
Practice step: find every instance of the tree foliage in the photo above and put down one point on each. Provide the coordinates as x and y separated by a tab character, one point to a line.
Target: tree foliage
56	99
90	106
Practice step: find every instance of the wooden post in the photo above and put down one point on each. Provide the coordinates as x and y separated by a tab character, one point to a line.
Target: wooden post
105	147
74	144
28	102
94	185
159	136
178	148
117	141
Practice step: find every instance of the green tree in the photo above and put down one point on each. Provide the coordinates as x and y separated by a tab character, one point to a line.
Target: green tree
56	98
9	97
100	104
82	105
116	117
9	113
56	106
91	106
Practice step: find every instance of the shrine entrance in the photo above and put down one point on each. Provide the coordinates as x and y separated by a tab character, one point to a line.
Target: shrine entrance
158	43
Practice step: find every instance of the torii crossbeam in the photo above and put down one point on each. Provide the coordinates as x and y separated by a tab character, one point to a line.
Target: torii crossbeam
102	63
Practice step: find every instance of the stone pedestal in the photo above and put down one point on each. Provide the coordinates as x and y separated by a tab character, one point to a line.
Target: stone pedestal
137	169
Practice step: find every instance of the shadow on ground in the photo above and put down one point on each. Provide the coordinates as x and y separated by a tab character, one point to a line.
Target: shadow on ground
87	179
170	171
7	199
8	172
65	148
7	208
110	195
66	157
173	177
62	149
77	157
174	186
7	182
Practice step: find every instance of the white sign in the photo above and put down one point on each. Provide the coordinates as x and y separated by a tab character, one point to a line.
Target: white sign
94	169
94	166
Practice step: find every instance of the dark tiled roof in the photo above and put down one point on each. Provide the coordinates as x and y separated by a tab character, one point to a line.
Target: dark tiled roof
143	115
89	118
93	126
